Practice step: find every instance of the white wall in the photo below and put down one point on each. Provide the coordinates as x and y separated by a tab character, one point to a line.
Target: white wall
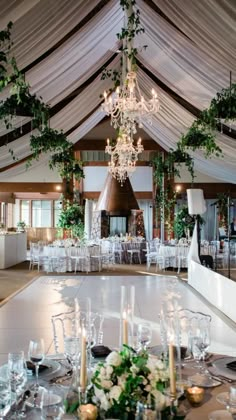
141	179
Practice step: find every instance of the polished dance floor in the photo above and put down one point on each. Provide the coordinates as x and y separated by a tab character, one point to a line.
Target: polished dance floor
28	314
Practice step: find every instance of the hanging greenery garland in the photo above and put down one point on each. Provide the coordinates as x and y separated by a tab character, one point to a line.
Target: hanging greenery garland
200	137
22	103
67	165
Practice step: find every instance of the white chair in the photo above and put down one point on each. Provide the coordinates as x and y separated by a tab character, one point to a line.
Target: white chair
134	250
68	324
108	258
164	256
96	256
81	258
34	256
151	254
118	251
38	258
182	256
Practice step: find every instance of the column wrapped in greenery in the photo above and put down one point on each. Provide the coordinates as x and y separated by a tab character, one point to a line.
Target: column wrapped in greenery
72	219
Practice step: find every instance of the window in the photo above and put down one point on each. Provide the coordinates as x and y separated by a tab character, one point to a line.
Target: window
41	213
57	211
25	211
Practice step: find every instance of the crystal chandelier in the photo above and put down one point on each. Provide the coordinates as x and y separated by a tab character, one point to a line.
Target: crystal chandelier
123	156
127	107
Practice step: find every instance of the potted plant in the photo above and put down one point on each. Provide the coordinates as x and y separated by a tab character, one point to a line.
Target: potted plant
222	107
71	218
21	225
184	223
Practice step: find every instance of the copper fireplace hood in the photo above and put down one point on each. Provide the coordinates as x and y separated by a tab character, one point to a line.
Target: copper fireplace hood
115	199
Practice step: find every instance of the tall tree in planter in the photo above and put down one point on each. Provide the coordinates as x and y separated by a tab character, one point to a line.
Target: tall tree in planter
71	219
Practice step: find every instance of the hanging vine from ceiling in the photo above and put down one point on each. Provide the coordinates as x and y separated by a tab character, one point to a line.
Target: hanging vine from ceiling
22	103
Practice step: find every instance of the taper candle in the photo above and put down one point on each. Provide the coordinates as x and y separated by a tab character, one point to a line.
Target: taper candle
172	370
83	368
125	328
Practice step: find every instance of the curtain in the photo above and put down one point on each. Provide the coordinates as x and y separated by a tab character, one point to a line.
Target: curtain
147	207
209	230
88	216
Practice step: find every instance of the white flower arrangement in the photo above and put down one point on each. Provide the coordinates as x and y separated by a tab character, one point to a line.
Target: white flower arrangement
127	378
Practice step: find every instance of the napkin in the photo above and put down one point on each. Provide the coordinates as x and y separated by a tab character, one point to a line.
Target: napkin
31	367
231	365
100	351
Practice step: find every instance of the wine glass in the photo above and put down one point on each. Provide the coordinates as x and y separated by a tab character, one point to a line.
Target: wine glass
36	356
144	335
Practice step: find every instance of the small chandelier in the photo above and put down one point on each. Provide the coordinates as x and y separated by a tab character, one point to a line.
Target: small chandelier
124	156
127	107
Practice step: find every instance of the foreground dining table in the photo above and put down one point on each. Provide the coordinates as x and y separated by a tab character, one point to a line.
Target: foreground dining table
27	315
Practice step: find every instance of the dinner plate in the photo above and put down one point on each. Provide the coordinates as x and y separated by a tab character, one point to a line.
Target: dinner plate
220	415
52	367
223	398
219	366
204	381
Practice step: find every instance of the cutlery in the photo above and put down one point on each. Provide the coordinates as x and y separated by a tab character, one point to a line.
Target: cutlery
26	395
61	378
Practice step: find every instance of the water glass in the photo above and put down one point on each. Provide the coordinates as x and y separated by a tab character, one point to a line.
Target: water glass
53	403
72	350
231	405
5	397
144	335
17	372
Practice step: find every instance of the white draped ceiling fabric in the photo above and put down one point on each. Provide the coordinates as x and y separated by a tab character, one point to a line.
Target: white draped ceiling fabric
191	49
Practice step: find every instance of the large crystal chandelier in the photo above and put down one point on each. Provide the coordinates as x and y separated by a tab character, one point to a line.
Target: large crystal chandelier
127	107
124	155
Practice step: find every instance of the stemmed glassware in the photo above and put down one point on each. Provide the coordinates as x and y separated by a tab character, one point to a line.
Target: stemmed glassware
36	356
144	335
200	344
5	397
17	375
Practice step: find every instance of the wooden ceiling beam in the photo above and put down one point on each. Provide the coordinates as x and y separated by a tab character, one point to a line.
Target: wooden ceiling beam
32	187
100	144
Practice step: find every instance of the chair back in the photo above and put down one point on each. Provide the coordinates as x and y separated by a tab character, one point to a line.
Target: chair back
69	324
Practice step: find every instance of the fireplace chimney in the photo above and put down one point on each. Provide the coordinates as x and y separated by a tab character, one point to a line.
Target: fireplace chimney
116	199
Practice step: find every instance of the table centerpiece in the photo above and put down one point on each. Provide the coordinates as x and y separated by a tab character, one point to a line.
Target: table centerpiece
125	380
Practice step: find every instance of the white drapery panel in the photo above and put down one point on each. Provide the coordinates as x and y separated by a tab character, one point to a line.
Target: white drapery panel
39	25
88	216
70	115
76	135
173	120
167	127
179	62
147	207
209	23
77	59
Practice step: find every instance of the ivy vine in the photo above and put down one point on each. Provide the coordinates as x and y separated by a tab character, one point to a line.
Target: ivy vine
200	137
165	169
21	102
67	165
128	33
